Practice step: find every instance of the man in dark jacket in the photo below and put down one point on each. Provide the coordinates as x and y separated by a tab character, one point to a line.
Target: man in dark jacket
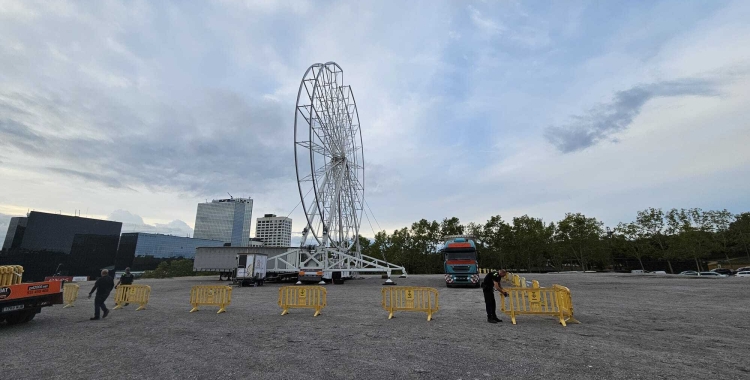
490	284
126	279
103	286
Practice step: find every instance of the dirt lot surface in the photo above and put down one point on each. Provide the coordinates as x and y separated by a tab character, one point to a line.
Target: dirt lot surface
633	326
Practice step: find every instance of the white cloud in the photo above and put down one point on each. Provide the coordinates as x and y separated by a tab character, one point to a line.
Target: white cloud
154	107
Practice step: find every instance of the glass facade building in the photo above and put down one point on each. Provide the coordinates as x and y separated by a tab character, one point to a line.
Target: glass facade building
226	220
144	251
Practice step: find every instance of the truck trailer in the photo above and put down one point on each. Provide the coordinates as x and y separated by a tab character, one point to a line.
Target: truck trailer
242	265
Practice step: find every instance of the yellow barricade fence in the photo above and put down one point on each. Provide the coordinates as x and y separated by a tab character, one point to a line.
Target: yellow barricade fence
302	297
211	295
10	275
565	302
410	298
554	301
132	294
70	294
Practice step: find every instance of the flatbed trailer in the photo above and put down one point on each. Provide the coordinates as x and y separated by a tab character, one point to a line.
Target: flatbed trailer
20	303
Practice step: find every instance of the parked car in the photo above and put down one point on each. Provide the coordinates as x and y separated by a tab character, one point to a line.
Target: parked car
744	269
725	271
689	273
744	273
711	274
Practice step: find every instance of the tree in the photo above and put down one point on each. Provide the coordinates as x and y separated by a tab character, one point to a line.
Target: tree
635	238
493	238
451	226
740	231
720	222
651	221
581	237
692	229
529	237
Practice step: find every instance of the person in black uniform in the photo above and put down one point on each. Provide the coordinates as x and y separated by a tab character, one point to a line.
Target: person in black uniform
490	284
125	279
103	286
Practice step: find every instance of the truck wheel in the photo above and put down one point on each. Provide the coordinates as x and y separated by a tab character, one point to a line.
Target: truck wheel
30	315
15	318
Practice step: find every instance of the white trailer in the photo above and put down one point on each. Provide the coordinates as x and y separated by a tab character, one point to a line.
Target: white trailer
251	268
216	259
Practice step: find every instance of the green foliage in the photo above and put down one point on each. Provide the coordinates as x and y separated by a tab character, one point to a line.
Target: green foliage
174	268
576	242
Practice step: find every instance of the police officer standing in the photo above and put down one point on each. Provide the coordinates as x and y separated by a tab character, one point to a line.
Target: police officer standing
125	279
490	284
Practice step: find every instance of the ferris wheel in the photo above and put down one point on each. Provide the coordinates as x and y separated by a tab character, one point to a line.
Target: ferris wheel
329	158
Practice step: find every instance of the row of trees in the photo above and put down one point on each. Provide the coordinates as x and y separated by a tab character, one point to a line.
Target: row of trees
664	240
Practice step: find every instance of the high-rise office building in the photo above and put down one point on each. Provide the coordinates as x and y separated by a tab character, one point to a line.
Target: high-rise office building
226	220
275	231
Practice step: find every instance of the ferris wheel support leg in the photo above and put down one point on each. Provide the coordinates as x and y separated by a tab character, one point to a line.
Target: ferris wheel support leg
389	281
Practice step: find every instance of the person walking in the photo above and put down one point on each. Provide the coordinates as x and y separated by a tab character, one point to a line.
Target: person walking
489	285
103	286
125	279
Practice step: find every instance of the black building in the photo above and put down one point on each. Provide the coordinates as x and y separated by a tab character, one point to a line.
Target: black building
16	229
68	245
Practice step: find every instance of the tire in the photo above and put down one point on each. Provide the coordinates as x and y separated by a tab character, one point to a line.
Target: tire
15	318
30	315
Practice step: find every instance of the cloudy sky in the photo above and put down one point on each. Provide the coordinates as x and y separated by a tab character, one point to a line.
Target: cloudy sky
137	111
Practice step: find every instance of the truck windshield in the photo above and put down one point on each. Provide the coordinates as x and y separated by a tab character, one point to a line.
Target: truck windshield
461	255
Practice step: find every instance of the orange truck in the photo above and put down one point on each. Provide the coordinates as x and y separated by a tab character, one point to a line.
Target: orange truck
21	301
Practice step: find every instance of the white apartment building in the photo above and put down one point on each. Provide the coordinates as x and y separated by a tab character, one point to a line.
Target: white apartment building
275	231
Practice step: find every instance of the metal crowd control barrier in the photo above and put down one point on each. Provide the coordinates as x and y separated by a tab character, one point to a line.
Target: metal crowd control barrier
410	298
132	294
70	294
302	297
10	275
211	295
554	301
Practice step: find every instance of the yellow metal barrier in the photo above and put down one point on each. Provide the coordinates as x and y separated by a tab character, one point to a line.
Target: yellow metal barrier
132	294
554	301
410	298
70	294
302	297
10	275
211	295
565	302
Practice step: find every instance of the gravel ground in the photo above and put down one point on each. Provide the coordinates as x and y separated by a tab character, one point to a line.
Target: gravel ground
633	326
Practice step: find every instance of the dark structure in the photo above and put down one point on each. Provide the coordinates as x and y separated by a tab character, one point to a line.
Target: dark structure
68	245
54	232
16	229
